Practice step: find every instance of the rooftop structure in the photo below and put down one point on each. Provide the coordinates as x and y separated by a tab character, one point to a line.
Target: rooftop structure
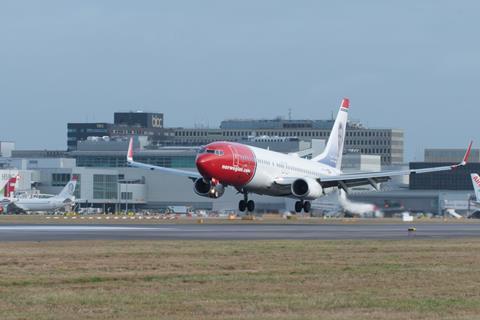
449	155
386	143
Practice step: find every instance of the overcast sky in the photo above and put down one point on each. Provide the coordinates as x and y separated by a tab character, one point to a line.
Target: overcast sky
413	64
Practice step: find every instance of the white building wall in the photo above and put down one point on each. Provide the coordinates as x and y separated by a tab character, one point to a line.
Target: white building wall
6	148
37	163
361	162
24	182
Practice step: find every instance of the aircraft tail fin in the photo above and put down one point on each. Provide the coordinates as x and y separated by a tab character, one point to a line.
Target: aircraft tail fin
130	151
476	185
10	187
69	189
332	155
3	187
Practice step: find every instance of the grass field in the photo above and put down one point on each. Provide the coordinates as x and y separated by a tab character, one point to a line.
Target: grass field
410	279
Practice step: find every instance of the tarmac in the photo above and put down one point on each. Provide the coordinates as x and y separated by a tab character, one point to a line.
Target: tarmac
394	231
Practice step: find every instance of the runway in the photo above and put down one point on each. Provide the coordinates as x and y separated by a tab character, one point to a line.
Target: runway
31	232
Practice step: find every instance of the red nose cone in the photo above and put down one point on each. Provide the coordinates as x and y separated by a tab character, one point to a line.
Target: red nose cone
229	163
203	164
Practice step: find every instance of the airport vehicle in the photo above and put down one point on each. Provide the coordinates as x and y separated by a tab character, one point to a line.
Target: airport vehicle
363	210
64	198
255	170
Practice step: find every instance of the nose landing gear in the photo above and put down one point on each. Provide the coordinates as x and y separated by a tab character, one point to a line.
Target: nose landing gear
246	204
305	205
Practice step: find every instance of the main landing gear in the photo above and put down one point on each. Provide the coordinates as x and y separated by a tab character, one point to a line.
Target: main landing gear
246	204
305	205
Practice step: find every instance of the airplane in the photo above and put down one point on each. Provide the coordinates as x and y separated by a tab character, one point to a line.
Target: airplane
476	187
3	186
254	170
4	193
48	204
358	209
8	188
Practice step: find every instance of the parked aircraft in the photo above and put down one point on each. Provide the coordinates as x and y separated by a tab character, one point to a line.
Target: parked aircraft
364	210
48	204
4	192
254	170
476	187
3	186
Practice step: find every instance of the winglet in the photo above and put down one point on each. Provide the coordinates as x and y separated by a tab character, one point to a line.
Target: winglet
345	103
465	157
130	151
467	154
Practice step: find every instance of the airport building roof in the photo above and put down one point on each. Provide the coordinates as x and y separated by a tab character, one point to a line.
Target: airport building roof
449	155
279	123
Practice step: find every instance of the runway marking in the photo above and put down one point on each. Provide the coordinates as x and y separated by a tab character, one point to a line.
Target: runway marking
82	228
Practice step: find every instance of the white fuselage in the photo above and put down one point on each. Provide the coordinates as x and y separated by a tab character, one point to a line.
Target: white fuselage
360	209
273	165
39	204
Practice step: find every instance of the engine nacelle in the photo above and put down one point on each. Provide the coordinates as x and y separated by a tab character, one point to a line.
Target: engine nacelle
206	189
202	187
307	188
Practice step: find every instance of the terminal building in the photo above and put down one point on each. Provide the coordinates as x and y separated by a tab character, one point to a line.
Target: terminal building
96	155
125	124
105	181
458	179
432	192
387	143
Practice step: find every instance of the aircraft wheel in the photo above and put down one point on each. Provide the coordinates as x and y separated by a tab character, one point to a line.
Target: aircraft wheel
242	205
250	205
298	206
307	206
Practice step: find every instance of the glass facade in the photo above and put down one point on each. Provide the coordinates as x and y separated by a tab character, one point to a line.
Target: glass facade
458	179
105	186
101	161
78	188
60	179
115	161
127	195
81	131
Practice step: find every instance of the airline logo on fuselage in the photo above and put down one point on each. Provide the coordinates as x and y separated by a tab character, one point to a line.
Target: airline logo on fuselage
236	169
476	178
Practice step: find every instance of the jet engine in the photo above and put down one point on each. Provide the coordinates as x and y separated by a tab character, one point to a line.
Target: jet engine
206	189
307	188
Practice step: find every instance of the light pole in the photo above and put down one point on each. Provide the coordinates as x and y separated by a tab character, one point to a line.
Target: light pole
126	197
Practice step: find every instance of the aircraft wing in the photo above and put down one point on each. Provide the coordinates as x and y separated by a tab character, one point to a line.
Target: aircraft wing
183	173
349	180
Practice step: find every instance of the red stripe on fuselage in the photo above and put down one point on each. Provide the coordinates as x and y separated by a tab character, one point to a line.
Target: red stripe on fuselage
228	162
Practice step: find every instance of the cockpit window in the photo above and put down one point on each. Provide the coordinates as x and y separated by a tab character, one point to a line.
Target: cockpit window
212	151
